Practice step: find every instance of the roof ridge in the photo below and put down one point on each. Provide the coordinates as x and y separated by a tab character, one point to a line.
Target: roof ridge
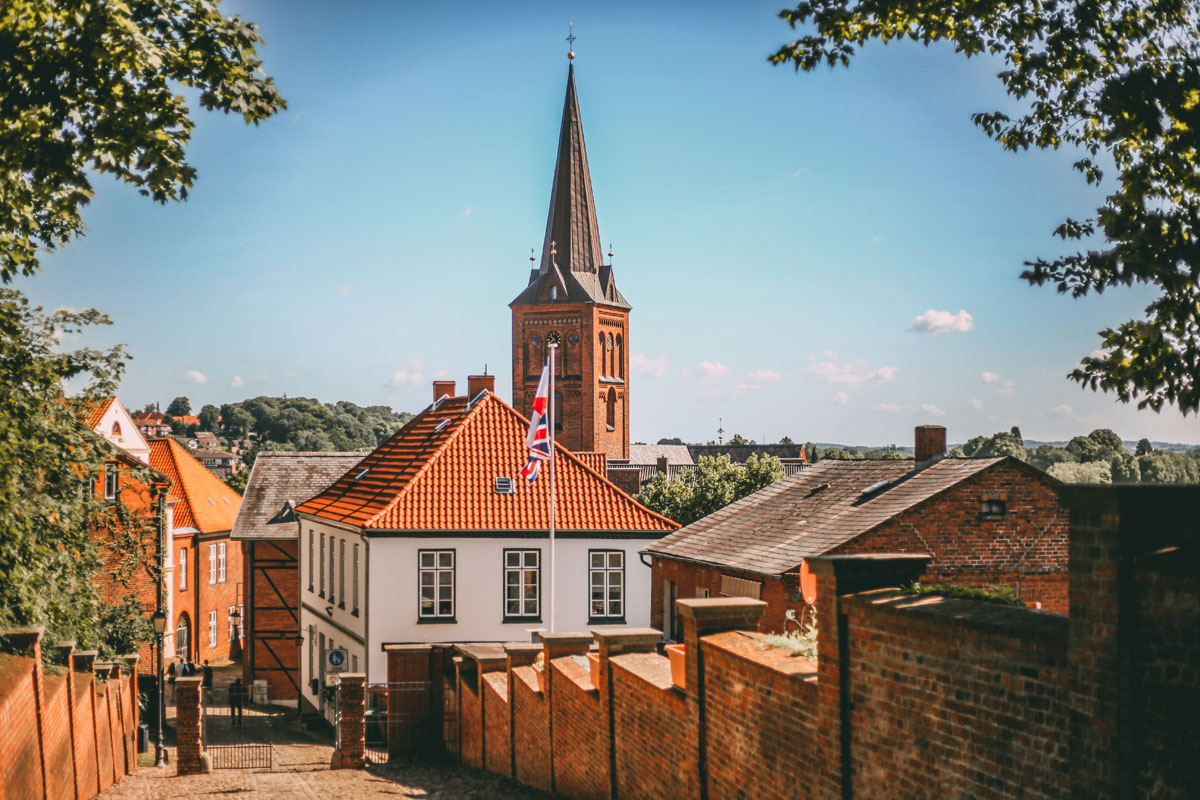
424	468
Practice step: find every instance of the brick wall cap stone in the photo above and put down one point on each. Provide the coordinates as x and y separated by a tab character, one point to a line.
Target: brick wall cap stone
628	636
522	649
566	639
25	638
702	608
192	681
408	648
354	677
876	569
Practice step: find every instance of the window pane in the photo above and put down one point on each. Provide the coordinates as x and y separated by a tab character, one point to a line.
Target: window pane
427	579
614	578
531	577
427	593
597	560
512	558
445	608
445	558
615	559
531	558
597	608
614	608
512	608
445	593
427	559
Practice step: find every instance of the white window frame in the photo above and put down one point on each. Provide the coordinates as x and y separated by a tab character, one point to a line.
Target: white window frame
212	628
606	573
522	572
435	572
321	566
112	481
212	564
311	545
354	609
183	568
332	576
229	618
221	563
342	572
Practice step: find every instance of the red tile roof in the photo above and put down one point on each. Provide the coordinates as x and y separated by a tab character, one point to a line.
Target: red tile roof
204	501
94	414
438	472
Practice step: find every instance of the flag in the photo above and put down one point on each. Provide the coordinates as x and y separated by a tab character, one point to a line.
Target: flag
538	440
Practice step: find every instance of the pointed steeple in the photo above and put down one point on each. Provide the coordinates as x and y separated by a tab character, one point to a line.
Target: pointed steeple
571	223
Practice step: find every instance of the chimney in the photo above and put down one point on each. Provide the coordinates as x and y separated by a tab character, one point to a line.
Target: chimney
662	465
930	442
442	387
477	383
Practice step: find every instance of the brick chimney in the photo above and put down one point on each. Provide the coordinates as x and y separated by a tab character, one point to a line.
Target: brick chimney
930	442
477	383
442	387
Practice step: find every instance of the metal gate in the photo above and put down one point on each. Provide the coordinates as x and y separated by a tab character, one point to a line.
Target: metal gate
401	719
237	727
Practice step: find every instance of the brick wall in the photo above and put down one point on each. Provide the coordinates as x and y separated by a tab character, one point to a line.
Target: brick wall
202	597
271	599
694	580
495	723
64	734
908	693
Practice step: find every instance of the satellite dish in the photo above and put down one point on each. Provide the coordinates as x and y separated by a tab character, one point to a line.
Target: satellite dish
808	584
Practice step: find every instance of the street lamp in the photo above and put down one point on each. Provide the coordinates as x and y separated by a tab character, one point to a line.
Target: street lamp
159	619
299	640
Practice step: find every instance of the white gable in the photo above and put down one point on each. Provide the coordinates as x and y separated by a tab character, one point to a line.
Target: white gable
118	427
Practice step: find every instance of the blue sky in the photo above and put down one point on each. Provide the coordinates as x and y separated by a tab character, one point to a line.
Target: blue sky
782	237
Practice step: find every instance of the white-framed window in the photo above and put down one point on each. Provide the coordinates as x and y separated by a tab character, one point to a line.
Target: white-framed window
220	562
436	582
522	584
212	628
606	579
212	564
182	630
112	474
342	572
332	585
321	566
232	626
311	537
354	579
183	569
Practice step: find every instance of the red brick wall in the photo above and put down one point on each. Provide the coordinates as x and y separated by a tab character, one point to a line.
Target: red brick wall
580	766
495	723
655	736
38	756
212	596
531	730
470	720
271	623
691	578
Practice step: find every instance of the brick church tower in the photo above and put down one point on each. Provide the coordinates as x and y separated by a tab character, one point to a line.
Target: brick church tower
573	293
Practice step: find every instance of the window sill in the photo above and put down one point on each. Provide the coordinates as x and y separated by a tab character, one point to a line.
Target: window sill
342	606
354	613
521	620
437	621
606	620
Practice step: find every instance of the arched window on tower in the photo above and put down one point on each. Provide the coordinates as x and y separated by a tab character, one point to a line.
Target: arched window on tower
620	373
603	356
611	421
182	631
612	371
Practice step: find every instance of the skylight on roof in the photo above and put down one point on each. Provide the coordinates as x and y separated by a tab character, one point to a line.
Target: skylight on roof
360	475
211	502
442	424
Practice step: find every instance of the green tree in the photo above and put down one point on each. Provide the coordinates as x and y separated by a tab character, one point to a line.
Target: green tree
237	481
48	461
674	440
1016	434
1125	469
786	440
235	420
1072	472
737	440
713	484
1107	439
1048	455
1115	82
210	418
812	452
179	407
97	88
998	444
1144	448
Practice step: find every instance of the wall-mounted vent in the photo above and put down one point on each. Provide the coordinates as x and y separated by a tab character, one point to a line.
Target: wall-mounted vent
740	587
505	486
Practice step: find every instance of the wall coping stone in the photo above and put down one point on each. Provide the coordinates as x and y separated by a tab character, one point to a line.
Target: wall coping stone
703	608
980	615
194	680
567	639
629	640
24	638
411	648
873	571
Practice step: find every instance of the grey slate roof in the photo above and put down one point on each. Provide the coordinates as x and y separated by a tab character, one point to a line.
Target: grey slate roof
640	454
577	265
278	478
810	513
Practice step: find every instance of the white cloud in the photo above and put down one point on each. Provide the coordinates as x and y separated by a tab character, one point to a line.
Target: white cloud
939	322
841	399
876	239
196	376
1007	389
290	375
989	377
764	376
466	212
746	387
891	408
642	364
799	172
932	410
829	354
1062	410
237	382
974	404
853	373
348	288
405	377
706	372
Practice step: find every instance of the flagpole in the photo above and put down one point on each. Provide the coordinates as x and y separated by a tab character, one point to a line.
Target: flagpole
553	347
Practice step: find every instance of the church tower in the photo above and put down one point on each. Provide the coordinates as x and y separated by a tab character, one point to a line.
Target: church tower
573	293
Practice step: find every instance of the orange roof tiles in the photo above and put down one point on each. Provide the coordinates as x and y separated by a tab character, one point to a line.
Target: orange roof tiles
438	472
96	413
204	501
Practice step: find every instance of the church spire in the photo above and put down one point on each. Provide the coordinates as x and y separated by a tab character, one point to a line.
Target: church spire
571	223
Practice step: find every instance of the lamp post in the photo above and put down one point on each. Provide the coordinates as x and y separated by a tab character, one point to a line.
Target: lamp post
160	627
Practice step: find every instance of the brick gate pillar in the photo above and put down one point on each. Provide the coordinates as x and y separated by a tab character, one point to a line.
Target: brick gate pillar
189	759
352	733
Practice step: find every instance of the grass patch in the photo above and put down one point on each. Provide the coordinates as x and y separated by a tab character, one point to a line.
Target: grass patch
800	643
1002	595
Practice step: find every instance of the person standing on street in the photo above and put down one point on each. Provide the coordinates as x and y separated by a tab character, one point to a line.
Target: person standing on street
237	694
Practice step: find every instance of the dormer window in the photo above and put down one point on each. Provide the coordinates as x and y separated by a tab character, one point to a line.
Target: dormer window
553	292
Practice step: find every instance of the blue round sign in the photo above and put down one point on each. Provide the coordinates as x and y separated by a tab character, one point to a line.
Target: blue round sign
336	658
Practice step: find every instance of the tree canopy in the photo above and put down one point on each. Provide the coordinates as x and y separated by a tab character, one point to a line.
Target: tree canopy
1118	83
179	407
90	87
713	484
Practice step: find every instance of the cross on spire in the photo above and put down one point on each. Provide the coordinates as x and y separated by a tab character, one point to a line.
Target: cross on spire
571	40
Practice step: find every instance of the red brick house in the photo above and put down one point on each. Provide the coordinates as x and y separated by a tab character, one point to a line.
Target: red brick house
986	521
203	565
268	529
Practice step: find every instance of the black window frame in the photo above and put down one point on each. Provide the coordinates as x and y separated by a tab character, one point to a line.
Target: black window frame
112	474
504	568
608	619
435	618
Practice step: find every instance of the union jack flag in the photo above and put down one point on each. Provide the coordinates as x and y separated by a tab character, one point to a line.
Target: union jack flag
538	440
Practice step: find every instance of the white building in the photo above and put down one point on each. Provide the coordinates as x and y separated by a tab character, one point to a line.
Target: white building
434	538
